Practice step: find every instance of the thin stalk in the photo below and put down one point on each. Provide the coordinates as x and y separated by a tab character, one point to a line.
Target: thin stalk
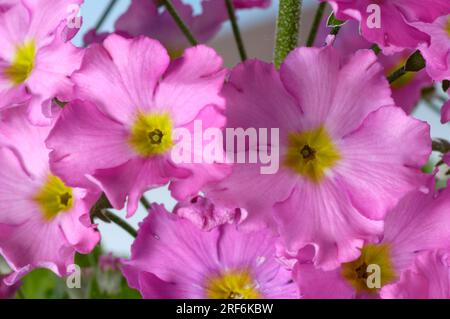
376	49
316	23
334	31
120	222
397	74
105	14
236	31
145	202
179	21
288	26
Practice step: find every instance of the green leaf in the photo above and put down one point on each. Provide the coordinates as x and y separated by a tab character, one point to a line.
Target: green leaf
89	260
415	62
428	167
43	284
333	22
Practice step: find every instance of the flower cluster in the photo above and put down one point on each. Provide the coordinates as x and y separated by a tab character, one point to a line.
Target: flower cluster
345	202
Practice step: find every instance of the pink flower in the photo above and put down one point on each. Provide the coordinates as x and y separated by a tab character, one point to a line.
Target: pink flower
6	291
109	262
446	158
35	62
445	113
429	278
121	136
394	30
246	4
146	17
42	221
173	258
407	91
342	165
205	214
419	223
437	54
7	4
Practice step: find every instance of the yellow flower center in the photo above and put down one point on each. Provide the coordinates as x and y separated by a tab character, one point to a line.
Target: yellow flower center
447	26
311	153
175	53
374	265
22	63
54	197
232	285
151	134
403	80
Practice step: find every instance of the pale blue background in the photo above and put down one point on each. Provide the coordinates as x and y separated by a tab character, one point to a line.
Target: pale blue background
114	239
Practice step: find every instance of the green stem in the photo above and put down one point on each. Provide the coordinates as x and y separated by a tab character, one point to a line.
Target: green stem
236	31
179	21
145	202
105	14
288	26
415	63
334	31
376	49
397	74
120	222
316	23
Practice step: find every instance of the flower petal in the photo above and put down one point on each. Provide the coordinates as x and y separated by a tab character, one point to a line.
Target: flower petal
380	163
190	84
83	140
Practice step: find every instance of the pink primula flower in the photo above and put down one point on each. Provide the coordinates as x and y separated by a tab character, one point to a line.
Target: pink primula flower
247	4
146	17
445	112
342	165
121	135
429	278
205	214
388	23
6	291
446	158
437	54
35	60
7	4
419	223
173	258
407	91
42	221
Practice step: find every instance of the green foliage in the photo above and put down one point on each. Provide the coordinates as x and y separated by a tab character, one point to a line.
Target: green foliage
96	282
333	22
43	284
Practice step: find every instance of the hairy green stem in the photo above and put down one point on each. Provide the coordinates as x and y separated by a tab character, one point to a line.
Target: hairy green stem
236	31
288	26
316	23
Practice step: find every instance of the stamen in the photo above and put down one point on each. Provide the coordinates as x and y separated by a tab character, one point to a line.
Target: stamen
357	272
151	134
54	197
65	199
155	136
311	153
307	152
